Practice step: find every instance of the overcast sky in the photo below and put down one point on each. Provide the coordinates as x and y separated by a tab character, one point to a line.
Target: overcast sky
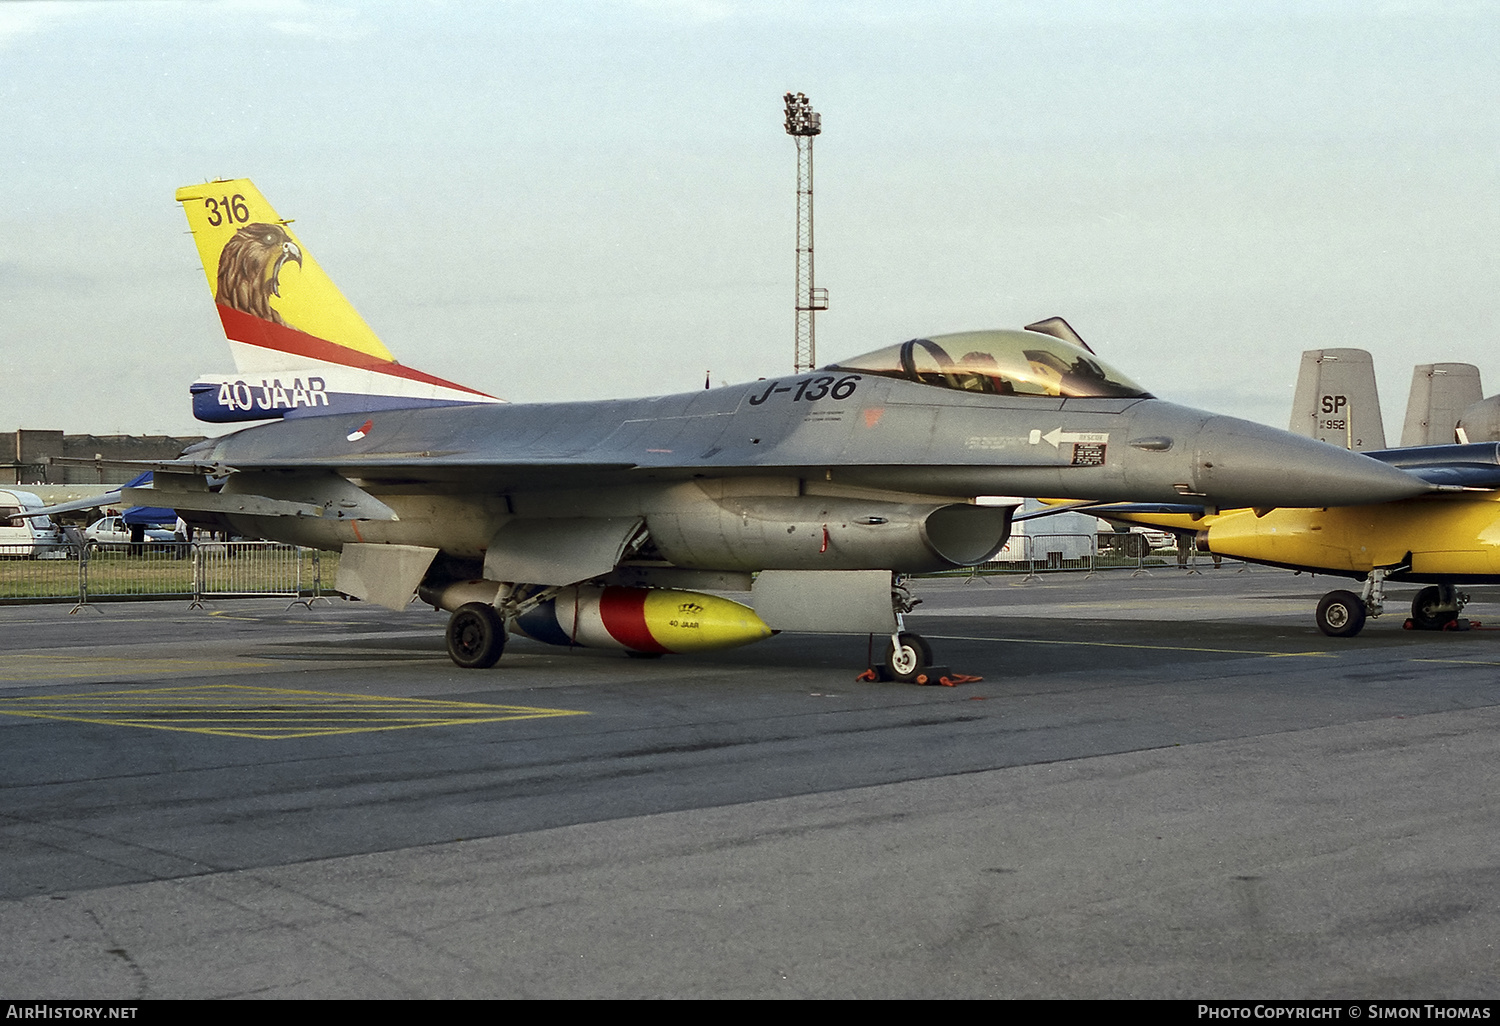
554	200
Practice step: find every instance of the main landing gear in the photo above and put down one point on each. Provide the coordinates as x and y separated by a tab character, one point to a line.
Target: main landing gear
476	636
1437	608
1342	614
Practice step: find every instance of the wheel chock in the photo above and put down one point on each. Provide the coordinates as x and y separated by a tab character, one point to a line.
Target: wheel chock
1457	624
929	675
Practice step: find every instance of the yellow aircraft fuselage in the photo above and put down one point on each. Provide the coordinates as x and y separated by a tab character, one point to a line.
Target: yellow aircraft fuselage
1449	537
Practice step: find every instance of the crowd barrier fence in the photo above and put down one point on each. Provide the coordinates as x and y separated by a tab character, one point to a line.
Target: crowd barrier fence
199	571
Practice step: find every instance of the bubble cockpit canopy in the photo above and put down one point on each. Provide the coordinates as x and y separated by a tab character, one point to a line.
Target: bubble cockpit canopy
1019	363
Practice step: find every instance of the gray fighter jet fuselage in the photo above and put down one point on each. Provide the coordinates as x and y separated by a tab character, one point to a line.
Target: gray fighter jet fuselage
835	441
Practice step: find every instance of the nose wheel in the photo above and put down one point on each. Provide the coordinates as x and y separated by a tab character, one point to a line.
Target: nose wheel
907	656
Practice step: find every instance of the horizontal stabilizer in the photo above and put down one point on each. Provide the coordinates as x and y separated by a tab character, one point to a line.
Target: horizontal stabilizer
92	502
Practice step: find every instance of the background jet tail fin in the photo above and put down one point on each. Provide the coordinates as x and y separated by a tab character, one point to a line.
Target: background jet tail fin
1440	393
300	348
1479	422
1336	400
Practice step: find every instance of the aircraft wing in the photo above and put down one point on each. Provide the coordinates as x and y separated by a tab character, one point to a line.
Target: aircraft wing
1475	465
92	502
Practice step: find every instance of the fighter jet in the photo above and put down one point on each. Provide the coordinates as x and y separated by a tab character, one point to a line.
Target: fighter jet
1446	538
624	523
1337	402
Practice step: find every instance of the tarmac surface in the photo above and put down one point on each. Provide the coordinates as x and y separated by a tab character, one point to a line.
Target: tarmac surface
1165	786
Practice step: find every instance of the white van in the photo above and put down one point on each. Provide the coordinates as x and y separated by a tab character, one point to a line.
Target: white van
27	539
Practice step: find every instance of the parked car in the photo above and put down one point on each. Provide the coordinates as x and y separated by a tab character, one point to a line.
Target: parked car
114	533
1157	540
37	538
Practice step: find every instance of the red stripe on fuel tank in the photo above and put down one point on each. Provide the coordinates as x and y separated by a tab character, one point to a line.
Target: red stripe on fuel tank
623	612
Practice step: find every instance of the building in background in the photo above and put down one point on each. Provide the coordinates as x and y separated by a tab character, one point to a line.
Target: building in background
26	454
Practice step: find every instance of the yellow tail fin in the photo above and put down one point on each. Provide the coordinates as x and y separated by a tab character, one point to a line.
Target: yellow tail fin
262	277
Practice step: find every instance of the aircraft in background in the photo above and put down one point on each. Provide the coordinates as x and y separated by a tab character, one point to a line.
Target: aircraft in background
615	523
1443	539
1337	402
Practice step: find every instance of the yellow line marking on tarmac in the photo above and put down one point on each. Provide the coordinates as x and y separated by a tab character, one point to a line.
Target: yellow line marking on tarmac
267	714
54	667
1152	648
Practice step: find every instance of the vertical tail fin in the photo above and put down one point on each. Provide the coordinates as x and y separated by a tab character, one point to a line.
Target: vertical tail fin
1336	400
263	279
1440	393
300	347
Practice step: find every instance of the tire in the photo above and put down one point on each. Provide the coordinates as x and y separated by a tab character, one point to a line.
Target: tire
1341	614
476	636
906	660
1425	615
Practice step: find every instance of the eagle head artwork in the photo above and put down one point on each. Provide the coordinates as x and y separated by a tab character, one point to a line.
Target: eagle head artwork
250	266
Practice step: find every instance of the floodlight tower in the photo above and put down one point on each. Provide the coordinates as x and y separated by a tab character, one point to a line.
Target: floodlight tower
802	123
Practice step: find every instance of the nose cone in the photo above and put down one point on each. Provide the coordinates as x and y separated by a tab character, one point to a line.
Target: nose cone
1239	463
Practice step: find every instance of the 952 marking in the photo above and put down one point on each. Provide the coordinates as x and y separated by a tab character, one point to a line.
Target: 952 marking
812	389
232	209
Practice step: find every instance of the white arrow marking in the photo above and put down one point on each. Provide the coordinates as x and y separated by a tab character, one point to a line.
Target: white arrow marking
1057	436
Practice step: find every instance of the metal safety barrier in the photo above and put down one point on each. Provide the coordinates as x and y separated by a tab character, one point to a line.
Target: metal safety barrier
199	571
29	573
1035	554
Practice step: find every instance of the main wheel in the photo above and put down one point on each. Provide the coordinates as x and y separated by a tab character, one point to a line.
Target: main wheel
476	636
1341	614
1427	613
906	657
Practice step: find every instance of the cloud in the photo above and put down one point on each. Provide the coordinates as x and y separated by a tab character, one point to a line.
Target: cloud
22	21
